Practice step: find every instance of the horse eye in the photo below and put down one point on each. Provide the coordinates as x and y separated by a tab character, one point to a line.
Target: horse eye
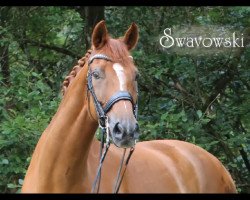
96	75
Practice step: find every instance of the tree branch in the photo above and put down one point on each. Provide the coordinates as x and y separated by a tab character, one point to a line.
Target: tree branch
53	48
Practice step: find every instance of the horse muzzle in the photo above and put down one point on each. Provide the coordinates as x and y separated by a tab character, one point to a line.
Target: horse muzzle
124	133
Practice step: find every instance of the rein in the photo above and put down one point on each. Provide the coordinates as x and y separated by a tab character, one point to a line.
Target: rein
104	126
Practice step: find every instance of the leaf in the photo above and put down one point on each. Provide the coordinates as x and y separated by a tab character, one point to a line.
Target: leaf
164	116
5	162
35	74
28	159
214	142
184	118
199	113
11	185
205	121
20	181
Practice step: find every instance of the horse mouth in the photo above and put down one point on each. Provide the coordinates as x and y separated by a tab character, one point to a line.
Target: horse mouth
126	142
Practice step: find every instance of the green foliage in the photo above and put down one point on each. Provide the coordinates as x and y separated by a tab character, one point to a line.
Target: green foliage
200	98
30	106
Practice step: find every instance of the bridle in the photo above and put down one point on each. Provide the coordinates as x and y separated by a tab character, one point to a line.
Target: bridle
104	124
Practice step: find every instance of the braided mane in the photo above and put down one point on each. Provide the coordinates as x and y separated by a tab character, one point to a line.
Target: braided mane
81	62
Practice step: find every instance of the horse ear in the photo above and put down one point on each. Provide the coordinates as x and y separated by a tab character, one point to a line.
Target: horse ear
100	35
131	36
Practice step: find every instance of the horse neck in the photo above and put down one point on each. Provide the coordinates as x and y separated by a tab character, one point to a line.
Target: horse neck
64	146
73	113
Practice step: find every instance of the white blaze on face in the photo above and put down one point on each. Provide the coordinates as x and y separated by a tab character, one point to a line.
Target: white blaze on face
120	75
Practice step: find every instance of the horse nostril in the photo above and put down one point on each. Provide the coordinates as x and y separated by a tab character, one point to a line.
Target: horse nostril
128	131
118	130
134	133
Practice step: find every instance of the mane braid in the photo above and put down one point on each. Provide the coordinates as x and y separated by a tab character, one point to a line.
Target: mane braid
81	62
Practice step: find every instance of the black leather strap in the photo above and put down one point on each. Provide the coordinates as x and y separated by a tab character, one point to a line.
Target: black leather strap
121	95
98	56
98	106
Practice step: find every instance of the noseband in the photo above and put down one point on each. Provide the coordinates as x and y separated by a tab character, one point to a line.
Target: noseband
104	124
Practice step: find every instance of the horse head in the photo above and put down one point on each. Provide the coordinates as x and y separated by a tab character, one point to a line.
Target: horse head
112	81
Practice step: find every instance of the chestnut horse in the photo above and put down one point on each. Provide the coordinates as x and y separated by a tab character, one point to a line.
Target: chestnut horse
66	157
